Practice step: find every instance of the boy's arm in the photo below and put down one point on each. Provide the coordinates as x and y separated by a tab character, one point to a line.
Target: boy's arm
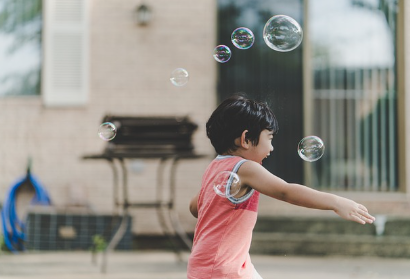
193	206
257	177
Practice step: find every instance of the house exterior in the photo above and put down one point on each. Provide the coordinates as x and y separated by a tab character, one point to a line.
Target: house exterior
97	60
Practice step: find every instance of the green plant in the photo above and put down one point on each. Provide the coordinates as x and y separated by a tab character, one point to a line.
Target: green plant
99	243
2	244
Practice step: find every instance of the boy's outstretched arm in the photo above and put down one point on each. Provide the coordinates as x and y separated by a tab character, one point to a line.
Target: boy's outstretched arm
193	206
257	177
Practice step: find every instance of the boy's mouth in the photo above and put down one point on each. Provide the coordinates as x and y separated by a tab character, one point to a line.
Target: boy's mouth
264	158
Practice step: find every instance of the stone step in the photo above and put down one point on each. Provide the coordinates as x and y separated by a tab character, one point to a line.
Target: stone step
330	245
388	237
384	225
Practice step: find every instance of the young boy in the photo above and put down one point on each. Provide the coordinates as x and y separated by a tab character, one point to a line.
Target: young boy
241	131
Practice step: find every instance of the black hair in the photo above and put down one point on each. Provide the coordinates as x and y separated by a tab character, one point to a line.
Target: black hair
234	115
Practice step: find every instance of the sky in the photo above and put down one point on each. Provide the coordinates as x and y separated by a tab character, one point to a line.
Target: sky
354	36
26	57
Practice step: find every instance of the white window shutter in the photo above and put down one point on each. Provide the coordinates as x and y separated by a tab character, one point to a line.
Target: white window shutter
65	52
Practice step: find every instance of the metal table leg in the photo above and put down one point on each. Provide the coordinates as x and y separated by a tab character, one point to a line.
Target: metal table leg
116	201
123	225
176	224
116	186
160	212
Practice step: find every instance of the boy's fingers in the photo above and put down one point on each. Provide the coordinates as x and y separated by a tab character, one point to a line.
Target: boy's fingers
367	218
362	207
359	219
367	215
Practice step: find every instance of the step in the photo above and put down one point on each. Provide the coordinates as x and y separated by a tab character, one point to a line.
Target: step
388	237
384	225
330	244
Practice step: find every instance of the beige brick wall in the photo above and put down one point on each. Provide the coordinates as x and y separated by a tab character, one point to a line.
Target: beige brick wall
130	68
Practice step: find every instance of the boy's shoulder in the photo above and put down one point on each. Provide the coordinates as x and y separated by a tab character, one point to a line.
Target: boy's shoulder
250	166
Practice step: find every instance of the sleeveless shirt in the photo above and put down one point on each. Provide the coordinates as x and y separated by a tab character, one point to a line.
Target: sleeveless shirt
223	232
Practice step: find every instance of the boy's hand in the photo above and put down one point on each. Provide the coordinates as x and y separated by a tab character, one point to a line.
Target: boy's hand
193	206
350	210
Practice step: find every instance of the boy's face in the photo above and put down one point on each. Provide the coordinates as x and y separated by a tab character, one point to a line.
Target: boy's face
263	149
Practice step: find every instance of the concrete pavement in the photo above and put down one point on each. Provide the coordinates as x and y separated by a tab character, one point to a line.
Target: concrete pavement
164	265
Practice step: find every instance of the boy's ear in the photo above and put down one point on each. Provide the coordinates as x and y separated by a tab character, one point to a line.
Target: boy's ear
244	141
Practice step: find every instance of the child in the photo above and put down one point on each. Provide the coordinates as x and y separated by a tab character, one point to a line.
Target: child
241	131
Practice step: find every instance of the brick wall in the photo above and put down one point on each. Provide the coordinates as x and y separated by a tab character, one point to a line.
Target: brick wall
130	66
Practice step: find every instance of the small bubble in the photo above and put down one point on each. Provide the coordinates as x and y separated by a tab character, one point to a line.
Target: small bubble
227	184
179	77
242	38
107	131
222	53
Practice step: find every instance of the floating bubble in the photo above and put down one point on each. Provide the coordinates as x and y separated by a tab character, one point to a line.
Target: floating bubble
227	184
107	131
222	53
179	77
282	33
311	148
242	38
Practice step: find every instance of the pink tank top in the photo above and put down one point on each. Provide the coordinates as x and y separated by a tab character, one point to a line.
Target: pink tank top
223	232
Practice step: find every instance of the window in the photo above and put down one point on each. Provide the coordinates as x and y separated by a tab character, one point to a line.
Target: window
58	29
20	47
353	98
346	93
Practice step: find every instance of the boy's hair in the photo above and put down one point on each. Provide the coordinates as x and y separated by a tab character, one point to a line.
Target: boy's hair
233	116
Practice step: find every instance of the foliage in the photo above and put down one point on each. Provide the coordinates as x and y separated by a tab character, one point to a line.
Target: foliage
2	244
23	20
99	243
21	29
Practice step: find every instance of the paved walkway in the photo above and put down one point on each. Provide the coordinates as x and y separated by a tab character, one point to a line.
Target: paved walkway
163	265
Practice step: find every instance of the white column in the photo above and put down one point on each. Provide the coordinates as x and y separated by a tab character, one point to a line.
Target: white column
403	52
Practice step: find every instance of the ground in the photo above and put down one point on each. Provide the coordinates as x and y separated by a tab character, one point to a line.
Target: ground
164	265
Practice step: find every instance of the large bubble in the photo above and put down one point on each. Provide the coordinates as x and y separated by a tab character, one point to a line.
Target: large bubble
282	33
311	148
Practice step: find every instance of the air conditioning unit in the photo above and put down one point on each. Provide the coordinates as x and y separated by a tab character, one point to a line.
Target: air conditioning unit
73	231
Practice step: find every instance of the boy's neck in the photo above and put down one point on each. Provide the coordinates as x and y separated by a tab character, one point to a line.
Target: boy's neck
237	152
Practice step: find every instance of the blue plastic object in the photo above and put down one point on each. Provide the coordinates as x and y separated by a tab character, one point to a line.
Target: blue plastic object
13	227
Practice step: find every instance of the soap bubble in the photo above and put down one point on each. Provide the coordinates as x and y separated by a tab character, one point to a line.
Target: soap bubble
107	131
282	33
179	77
227	184
222	53
242	38
311	148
